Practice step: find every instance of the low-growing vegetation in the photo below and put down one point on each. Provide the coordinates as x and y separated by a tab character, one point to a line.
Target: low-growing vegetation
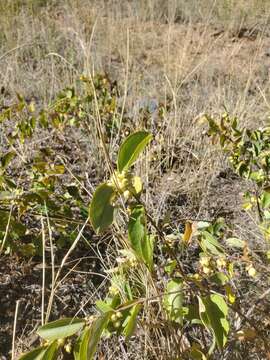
112	206
152	284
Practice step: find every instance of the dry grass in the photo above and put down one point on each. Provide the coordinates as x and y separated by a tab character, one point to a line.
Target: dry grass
199	56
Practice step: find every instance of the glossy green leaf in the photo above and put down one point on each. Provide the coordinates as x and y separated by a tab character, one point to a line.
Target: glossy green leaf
131	148
97	329
61	328
130	322
173	300
101	210
213	312
81	347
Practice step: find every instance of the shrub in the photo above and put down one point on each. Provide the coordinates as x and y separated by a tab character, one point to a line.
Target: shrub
197	302
186	285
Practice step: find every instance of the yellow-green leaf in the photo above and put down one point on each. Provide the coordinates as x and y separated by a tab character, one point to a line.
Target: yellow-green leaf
81	346
7	158
36	354
213	312
42	353
97	329
131	321
137	184
141	243
173	300
209	244
61	328
51	351
131	148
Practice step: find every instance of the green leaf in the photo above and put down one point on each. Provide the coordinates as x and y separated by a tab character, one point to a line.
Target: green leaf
15	226
27	249
60	329
131	321
81	347
51	352
97	329
171	265
74	192
213	312
219	278
196	353
10	183
137	185
101	210
137	229
109	304
36	354
210	244
148	250
191	313
7	158
56	170
141	243
4	216
77	345
265	199
103	306
173	300
203	313
131	148
242	169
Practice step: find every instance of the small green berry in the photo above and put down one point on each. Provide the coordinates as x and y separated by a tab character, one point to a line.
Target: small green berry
114	318
119	315
117	324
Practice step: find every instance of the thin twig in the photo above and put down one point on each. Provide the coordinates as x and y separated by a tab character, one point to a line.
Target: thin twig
14	329
43	272
6	230
49	307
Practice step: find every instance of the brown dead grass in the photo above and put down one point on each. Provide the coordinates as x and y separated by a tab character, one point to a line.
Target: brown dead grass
200	57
